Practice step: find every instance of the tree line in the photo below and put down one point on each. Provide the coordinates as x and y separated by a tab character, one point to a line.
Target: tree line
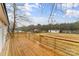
45	28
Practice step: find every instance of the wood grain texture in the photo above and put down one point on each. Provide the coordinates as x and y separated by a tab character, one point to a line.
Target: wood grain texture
62	44
21	46
40	44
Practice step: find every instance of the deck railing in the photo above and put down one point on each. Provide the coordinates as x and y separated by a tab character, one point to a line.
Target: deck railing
60	45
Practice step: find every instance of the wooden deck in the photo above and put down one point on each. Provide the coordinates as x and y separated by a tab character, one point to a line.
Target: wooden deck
21	46
33	44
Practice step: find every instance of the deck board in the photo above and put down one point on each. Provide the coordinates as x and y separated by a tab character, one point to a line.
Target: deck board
21	46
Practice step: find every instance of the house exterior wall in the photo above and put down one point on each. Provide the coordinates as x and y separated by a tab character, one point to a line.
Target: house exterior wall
3	33
3	26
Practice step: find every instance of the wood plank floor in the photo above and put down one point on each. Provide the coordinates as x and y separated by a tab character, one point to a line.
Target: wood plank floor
21	46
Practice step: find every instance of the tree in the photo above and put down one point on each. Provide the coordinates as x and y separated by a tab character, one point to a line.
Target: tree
17	17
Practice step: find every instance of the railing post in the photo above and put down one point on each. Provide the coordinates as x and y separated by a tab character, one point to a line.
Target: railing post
28	36
54	47
40	38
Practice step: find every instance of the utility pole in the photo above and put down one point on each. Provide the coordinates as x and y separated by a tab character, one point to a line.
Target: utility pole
51	16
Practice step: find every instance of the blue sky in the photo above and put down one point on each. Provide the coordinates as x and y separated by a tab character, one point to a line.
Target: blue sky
39	13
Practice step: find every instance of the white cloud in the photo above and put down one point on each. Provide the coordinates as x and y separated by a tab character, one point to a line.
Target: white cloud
71	12
37	4
8	4
76	4
21	7
40	20
19	24
28	13
29	7
69	5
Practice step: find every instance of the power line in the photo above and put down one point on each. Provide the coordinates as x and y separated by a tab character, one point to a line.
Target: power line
50	16
52	13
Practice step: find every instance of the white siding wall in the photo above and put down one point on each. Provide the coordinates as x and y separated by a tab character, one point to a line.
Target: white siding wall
1	39
54	31
3	32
